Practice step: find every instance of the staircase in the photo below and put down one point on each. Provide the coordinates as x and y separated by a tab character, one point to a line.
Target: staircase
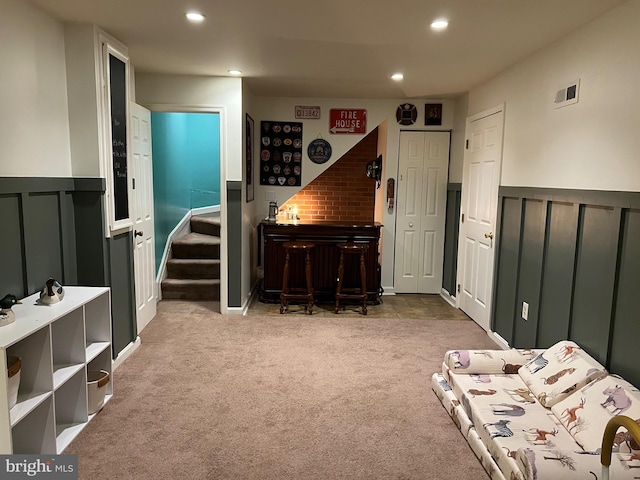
193	272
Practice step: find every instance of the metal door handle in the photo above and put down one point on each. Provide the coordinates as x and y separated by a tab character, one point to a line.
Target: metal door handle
136	233
489	235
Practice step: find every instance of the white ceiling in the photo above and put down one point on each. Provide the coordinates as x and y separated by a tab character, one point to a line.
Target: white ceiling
335	48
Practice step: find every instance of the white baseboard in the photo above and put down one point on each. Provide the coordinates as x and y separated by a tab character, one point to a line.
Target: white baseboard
388	291
126	352
450	299
205	210
501	342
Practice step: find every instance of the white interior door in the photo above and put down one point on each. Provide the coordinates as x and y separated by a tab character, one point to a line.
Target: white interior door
480	182
421	209
144	241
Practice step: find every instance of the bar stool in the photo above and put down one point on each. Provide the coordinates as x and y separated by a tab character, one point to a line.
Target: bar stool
350	248
297	292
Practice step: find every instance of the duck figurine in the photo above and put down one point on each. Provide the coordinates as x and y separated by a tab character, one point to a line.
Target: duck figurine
7	315
52	292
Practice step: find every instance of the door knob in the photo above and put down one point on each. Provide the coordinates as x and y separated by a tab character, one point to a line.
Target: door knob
489	235
410	224
137	233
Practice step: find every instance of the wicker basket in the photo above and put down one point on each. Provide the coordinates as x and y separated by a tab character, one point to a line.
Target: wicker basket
14	365
97	381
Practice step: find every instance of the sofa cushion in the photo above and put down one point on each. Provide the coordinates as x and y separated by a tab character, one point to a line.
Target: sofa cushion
586	412
558	371
488	361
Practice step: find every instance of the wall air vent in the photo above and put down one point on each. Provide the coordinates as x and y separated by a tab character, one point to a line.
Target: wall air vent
567	95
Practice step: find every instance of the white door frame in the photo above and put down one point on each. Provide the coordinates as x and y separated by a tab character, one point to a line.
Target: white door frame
222	111
424	231
493	215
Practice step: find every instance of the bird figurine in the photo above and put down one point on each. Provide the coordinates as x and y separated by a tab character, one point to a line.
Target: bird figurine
7	315
52	292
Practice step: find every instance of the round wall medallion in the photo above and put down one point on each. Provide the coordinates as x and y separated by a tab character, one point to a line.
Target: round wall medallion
319	150
406	114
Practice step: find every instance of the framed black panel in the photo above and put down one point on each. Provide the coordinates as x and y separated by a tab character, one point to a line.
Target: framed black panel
557	274
594	279
12	279
530	272
43	239
508	252
234	241
626	326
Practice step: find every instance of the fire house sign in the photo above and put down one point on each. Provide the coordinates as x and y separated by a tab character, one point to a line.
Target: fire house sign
347	121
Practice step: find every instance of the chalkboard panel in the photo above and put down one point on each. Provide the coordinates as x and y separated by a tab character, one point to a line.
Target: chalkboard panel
117	81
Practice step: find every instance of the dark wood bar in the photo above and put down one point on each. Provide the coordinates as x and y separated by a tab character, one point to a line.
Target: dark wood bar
325	257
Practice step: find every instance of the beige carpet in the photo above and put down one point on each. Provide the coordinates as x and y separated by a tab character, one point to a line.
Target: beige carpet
208	396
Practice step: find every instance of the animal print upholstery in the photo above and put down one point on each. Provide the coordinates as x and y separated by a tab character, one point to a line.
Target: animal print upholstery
558	371
516	436
488	361
588	410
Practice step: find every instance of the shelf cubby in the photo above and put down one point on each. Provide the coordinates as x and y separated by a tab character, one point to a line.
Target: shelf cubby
57	345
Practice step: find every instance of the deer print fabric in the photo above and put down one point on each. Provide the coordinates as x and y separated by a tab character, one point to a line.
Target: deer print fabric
556	373
600	400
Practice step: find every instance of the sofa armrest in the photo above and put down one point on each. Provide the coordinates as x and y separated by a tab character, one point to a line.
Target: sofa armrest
487	361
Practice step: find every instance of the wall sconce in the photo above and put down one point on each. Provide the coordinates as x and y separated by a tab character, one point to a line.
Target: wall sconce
374	170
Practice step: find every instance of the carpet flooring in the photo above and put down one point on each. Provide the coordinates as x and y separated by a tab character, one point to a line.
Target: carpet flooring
208	396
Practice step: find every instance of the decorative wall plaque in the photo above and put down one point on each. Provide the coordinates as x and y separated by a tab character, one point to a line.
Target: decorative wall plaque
281	153
406	114
319	150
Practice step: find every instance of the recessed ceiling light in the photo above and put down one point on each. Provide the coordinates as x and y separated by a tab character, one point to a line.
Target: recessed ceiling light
235	72
439	24
397	77
194	16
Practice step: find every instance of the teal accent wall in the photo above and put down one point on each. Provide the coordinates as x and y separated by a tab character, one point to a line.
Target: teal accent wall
186	168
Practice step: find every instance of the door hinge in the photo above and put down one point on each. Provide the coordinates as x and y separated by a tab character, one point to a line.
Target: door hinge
458	288
466	144
462	218
134	183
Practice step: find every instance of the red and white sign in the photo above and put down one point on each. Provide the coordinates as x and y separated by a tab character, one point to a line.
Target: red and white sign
347	121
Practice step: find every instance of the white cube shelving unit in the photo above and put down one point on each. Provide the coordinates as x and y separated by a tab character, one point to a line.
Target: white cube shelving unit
57	344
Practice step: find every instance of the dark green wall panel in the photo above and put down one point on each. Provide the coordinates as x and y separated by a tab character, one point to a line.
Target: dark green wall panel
122	301
557	287
234	242
452	223
530	272
90	239
594	279
626	326
507	267
43	239
12	279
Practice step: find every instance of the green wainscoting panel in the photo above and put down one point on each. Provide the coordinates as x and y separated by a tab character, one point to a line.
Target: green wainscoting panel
122	284
558	273
508	253
452	225
530	272
12	277
626	326
92	259
43	239
595	279
234	242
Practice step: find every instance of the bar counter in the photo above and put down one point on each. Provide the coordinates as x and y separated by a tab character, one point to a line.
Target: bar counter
325	257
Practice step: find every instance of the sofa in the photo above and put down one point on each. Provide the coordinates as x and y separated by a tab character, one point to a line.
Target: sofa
539	414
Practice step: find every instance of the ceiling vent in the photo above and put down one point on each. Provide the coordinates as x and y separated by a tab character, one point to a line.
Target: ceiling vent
568	95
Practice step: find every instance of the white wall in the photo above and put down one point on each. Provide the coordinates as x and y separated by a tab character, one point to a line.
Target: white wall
378	111
593	144
34	125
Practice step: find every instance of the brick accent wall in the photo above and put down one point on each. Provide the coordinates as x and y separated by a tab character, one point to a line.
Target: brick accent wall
343	192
